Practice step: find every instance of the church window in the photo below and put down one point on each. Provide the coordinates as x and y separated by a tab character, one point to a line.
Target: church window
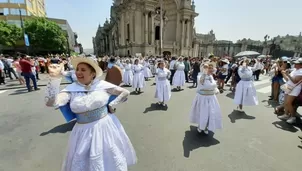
157	33
128	32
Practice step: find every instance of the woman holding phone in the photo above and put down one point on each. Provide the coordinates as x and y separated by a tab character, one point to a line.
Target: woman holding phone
245	94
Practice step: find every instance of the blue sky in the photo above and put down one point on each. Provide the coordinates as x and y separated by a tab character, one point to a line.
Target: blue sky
230	19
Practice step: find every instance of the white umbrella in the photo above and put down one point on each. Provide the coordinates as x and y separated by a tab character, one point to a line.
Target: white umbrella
247	53
262	56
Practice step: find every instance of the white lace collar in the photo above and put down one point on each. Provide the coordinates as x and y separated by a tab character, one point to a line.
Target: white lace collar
94	86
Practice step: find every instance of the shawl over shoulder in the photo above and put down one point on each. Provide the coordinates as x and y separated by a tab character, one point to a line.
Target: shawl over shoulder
114	75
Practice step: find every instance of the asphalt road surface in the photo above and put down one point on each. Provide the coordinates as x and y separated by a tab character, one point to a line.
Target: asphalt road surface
34	137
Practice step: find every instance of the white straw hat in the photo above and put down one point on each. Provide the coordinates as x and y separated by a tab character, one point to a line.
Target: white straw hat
75	61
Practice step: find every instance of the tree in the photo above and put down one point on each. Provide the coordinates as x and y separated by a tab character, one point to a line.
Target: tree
9	34
45	35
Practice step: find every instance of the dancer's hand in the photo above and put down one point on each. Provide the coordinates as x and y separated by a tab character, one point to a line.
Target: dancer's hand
283	72
55	70
111	110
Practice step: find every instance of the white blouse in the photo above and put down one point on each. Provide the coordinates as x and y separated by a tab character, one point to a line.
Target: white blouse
137	68
80	99
163	73
128	67
206	82
293	74
180	66
245	72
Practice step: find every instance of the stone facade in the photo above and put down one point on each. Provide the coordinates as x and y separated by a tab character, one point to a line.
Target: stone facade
134	27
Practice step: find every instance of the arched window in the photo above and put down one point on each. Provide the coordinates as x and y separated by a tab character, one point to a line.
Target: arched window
157	33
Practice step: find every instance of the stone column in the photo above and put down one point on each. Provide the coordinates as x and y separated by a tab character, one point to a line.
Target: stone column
122	30
146	28
182	33
152	28
188	33
133	17
131	27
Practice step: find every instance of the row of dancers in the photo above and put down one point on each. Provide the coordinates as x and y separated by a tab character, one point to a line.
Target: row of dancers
137	73
98	141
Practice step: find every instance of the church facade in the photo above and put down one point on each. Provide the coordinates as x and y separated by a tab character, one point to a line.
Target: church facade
134	28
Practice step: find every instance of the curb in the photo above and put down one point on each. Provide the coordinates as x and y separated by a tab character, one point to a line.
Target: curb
19	87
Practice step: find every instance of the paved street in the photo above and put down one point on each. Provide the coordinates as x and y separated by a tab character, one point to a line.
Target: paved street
14	84
34	137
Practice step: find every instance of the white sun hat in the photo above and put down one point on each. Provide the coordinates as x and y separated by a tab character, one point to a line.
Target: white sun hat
225	61
75	61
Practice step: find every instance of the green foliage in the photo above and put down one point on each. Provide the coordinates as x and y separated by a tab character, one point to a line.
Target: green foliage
45	34
9	34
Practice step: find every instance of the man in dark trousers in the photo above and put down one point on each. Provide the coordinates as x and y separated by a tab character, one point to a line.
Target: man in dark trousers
27	73
187	68
172	68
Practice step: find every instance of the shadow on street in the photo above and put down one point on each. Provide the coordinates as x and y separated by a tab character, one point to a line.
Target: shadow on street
270	103
136	93
176	90
154	107
194	140
19	91
230	95
60	129
288	127
236	115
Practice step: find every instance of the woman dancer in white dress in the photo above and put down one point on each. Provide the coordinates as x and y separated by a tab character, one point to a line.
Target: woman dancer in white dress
179	78
120	64
147	71
138	78
69	75
245	93
153	67
205	109
163	88
128	74
98	141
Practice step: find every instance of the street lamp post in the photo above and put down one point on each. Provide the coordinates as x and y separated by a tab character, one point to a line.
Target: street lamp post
23	29
68	48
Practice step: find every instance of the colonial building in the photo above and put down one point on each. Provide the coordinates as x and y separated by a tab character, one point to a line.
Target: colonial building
135	27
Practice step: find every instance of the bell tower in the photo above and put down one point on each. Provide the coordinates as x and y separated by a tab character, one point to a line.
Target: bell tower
186	4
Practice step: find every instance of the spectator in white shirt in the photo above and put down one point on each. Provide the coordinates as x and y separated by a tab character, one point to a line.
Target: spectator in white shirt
258	68
172	68
223	72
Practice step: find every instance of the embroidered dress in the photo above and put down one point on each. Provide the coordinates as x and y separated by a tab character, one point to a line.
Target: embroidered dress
205	110
163	88
147	71
138	78
245	93
98	141
128	75
179	78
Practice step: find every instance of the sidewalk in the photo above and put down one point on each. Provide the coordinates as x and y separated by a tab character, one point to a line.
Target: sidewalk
14	84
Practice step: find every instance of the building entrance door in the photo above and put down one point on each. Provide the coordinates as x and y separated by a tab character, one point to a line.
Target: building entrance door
167	53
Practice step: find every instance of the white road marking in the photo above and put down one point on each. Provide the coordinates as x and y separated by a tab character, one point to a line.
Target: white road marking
3	91
265	81
265	90
256	83
255	142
